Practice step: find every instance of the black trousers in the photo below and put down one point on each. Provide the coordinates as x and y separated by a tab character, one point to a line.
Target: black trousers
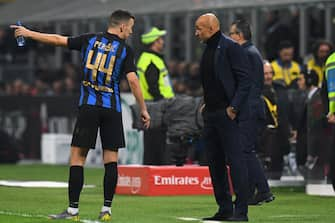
222	142
250	131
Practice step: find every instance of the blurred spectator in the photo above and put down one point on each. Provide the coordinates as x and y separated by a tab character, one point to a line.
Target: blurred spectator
179	80
71	87
17	87
269	142
45	75
71	70
275	32
193	82
317	140
58	87
298	119
172	68
26	89
286	70
40	88
321	50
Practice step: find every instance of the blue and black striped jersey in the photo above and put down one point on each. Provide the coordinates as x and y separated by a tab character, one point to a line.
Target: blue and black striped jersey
105	58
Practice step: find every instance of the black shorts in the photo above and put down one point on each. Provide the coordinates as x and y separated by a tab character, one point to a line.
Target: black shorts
90	119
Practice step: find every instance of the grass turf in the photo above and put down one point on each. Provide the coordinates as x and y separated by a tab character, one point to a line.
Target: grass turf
34	204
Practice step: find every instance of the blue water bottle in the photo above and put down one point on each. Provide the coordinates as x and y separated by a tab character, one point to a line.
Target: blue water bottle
20	39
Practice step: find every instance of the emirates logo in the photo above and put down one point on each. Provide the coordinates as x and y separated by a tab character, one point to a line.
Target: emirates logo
206	183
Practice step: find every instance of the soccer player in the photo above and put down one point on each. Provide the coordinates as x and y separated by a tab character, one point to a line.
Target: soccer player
105	58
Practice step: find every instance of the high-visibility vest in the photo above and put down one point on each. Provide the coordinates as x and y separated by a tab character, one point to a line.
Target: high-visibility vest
312	65
286	74
164	83
330	77
273	111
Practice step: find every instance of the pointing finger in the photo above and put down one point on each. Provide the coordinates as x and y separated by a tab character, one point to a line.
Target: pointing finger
14	26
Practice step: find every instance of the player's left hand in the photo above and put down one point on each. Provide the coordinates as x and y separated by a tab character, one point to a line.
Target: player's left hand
145	119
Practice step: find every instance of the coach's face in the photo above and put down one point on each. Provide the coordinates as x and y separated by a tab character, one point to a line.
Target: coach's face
202	29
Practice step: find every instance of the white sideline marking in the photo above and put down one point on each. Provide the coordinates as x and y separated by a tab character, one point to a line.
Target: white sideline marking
211	221
39	184
295	216
196	219
39	216
22	214
187	219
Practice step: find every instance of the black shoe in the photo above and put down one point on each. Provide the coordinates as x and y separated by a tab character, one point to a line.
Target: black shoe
237	218
219	217
261	198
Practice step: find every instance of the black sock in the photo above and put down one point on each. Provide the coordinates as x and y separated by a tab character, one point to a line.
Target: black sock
76	181
110	181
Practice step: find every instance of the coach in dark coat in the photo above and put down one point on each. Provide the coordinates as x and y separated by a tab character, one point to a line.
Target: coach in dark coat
225	79
250	129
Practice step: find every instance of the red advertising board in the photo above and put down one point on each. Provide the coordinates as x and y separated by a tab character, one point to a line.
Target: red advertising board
163	180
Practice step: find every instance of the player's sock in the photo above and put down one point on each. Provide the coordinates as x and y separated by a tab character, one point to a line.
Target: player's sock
76	181
106	209
110	181
72	210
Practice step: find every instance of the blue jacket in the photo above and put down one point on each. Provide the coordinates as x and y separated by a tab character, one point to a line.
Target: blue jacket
256	71
232	69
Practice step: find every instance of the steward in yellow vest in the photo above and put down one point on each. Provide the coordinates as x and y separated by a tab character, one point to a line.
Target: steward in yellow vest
285	69
151	68
155	85
286	74
330	77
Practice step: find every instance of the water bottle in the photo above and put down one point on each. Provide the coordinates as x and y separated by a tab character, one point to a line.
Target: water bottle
20	39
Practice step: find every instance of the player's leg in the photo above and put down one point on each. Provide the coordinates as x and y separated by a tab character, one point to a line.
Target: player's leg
110	158
76	177
112	138
84	137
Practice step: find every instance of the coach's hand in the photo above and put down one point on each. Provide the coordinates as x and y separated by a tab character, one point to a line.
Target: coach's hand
20	31
145	118
231	112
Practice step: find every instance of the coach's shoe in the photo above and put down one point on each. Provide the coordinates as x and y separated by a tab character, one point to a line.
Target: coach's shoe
105	216
261	198
218	217
237	218
65	215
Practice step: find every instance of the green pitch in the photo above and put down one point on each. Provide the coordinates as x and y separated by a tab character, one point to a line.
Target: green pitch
23	205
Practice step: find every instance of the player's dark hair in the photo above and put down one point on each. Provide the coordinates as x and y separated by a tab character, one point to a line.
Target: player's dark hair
119	16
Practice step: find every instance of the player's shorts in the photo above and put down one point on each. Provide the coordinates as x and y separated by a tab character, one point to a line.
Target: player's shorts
90	119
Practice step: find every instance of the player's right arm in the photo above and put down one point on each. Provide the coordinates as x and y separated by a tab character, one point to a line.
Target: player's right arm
50	39
136	90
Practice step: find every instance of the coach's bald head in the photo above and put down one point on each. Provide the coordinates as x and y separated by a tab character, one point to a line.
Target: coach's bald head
206	26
